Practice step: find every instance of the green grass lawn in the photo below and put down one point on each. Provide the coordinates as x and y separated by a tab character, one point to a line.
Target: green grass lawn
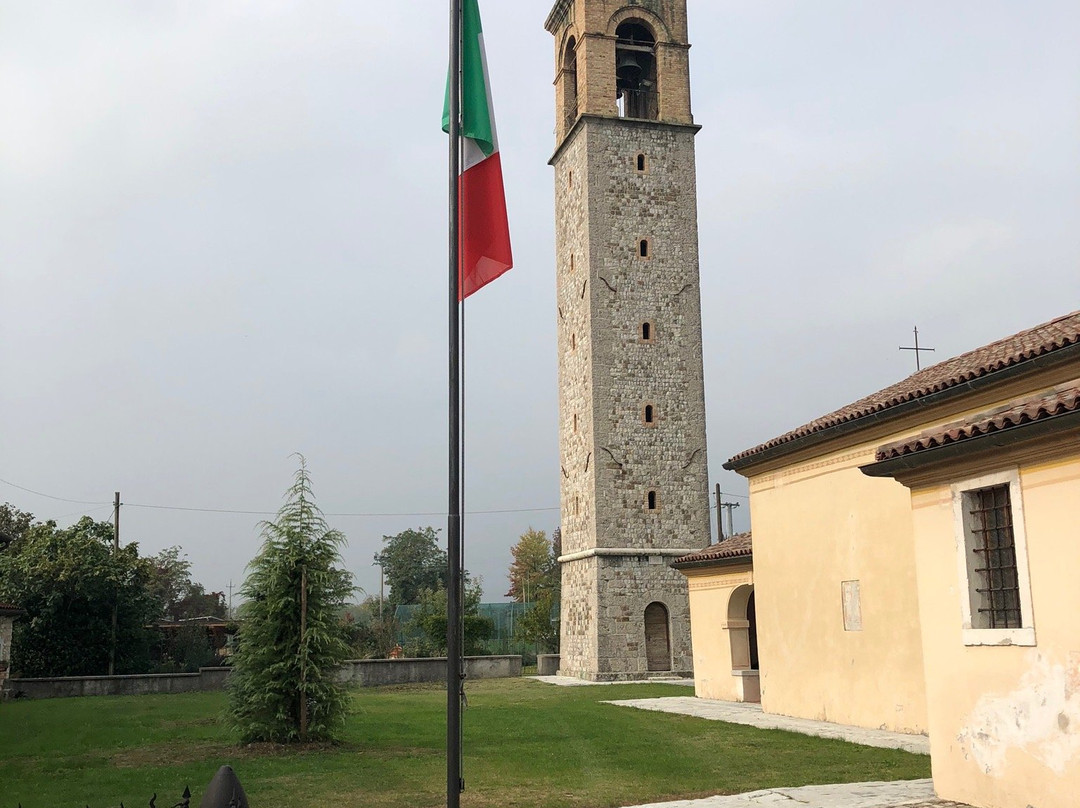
526	744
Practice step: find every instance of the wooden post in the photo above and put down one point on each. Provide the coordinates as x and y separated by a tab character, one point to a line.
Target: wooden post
116	595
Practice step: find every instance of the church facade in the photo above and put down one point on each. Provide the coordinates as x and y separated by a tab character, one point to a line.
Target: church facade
914	563
634	488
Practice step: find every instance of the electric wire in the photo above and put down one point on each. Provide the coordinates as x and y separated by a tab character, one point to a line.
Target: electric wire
244	512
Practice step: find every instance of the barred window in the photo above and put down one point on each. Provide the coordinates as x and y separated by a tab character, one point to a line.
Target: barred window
996	590
992	545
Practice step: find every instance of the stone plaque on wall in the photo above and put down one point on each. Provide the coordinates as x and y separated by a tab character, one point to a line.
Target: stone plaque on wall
852	605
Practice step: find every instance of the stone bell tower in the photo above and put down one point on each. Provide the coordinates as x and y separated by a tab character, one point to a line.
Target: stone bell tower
631	393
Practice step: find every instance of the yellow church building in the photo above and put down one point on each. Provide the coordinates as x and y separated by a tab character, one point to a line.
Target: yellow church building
914	567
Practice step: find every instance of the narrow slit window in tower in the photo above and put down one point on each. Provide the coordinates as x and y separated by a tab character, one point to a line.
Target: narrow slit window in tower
643	248
652	501
646	332
635	71
573	342
649	415
642	164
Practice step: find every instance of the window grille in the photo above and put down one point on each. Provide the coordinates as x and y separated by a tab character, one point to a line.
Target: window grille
997	581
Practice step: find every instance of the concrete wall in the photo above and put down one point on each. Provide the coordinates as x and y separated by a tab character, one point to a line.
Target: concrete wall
71	686
1005	721
547	664
718	674
361	673
383	672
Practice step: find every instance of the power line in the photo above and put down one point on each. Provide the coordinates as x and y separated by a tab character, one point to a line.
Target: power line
50	496
364	515
241	512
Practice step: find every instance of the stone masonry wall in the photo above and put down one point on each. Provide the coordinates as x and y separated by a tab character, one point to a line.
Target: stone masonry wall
6	624
616	546
669	456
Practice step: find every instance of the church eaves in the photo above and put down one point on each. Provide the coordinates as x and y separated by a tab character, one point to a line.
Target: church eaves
1030	349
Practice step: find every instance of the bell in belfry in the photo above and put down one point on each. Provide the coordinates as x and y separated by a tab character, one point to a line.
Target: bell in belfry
628	70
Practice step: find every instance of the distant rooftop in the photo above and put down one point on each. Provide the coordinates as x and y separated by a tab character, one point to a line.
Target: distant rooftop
739	547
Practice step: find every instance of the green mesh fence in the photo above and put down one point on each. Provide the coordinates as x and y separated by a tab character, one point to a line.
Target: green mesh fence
504	616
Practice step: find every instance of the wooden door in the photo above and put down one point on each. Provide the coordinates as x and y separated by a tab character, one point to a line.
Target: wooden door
657	639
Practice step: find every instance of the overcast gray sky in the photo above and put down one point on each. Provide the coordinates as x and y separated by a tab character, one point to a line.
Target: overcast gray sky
222	240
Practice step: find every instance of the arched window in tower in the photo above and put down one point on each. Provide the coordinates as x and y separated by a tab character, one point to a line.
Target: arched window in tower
646	332
642	162
569	84
652	501
643	250
648	415
635	71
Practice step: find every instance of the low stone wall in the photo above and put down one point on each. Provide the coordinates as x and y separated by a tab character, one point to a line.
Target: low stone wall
547	664
71	686
383	672
359	673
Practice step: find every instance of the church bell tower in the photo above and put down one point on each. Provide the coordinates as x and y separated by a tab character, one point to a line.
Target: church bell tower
634	492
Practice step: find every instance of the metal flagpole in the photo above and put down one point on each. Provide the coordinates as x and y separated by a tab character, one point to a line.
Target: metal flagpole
454	784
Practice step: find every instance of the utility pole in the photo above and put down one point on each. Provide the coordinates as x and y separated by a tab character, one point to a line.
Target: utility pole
730	508
116	595
719	526
382	597
231	616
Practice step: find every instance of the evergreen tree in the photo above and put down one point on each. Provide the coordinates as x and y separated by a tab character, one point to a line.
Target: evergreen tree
292	639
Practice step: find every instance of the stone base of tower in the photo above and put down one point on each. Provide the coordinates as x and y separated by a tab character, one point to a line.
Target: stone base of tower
624	618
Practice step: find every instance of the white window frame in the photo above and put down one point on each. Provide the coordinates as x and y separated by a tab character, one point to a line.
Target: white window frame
1024	636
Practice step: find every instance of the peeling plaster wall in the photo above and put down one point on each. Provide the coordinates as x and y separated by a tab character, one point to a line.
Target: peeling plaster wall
1005	721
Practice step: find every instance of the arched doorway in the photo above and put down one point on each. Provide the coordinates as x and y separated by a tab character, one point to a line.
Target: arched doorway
742	627
657	637
751	618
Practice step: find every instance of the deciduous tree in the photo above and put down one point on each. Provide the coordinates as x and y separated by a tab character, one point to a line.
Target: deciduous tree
180	597
431	619
412	562
535	569
69	582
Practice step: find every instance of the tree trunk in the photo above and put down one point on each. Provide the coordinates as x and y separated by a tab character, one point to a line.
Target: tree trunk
303	655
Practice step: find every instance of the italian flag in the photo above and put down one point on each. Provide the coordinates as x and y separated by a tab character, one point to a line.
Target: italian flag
484	230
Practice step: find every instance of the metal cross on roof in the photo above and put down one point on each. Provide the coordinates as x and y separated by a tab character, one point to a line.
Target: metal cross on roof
918	351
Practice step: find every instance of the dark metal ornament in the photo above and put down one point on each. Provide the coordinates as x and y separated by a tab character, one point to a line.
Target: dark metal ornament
224	791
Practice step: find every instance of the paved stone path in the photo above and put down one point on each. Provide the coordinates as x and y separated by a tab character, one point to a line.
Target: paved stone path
901	794
570	681
752	715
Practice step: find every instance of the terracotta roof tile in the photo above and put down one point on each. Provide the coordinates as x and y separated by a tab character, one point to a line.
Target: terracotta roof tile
8	608
737	546
1014	350
1059	401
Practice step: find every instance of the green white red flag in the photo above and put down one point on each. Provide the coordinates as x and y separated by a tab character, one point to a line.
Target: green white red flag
484	229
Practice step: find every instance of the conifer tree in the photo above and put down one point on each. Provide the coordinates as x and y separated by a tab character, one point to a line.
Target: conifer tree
292	639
